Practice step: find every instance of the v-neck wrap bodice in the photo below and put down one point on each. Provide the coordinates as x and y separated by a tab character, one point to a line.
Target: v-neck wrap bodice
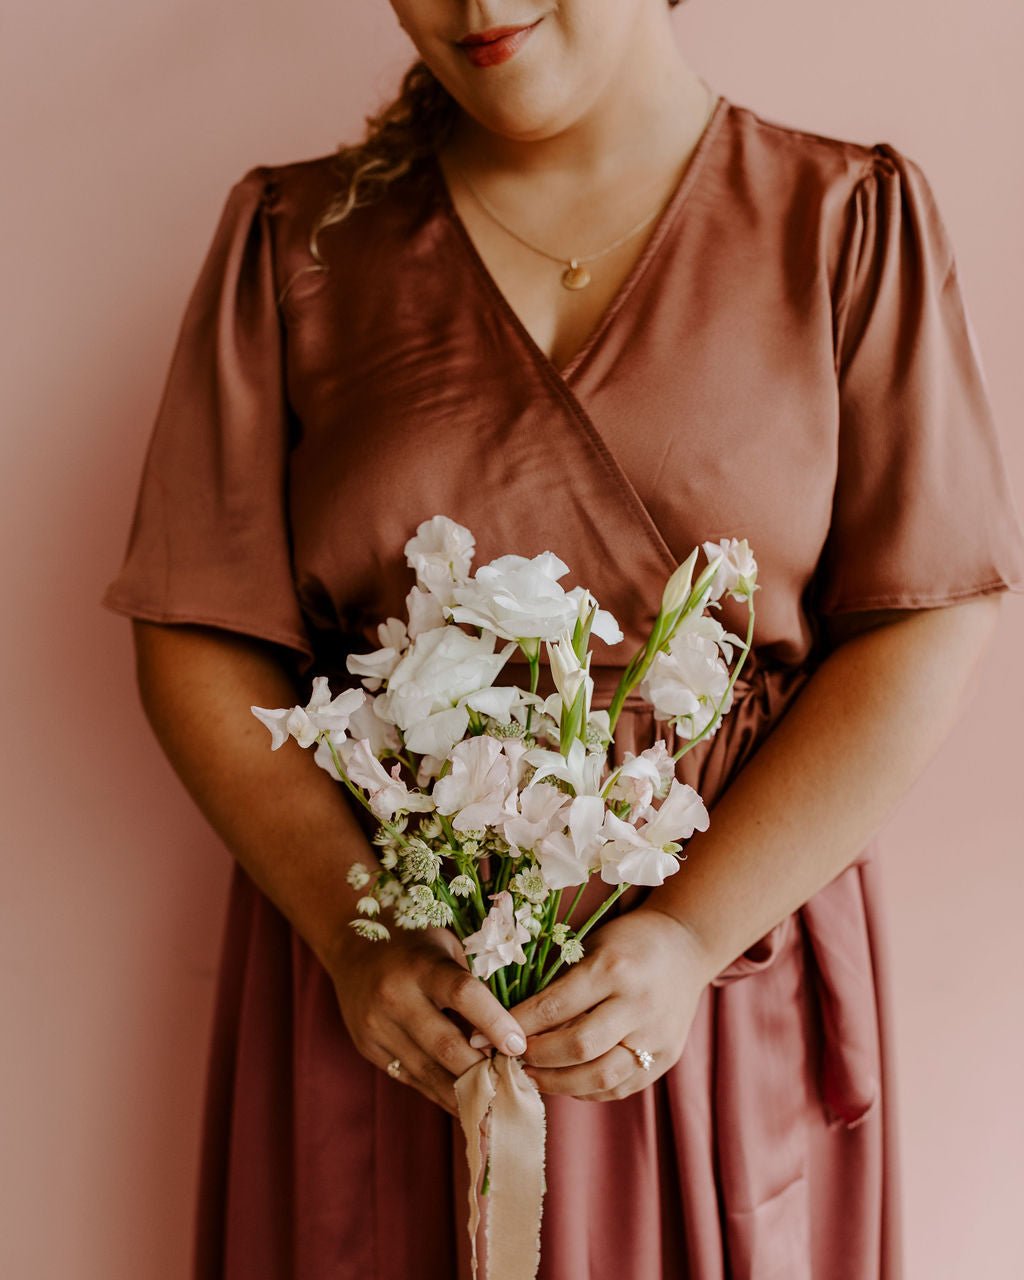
707	405
790	361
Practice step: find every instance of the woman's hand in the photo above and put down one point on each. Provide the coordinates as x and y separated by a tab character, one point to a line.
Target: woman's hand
640	981
391	996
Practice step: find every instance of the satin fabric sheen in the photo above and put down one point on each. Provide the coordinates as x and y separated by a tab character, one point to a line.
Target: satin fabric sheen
789	361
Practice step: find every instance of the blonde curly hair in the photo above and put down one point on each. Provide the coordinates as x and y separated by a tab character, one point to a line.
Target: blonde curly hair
416	122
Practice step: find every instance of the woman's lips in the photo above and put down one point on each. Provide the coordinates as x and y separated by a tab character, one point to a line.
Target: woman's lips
485	52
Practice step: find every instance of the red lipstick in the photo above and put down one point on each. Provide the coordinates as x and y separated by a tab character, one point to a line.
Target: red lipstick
497	44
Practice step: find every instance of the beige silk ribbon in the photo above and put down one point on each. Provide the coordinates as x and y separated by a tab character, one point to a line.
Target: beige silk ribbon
500	1105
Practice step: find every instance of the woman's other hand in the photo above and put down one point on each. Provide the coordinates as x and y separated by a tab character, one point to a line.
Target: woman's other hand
640	981
392	996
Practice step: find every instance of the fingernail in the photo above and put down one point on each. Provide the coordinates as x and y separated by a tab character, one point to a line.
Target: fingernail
478	1040
515	1044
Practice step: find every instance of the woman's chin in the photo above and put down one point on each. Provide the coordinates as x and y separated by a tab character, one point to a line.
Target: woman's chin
524	112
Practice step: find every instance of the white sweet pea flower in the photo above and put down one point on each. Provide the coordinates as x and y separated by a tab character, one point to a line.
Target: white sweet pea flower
499	940
477	789
737	573
495	702
568	858
644	854
366	722
386	792
377	665
516	598
424	610
604	625
679	815
440	552
428	767
534	813
515	749
582	769
642	777
686	684
393	634
323	757
444	672
708	628
321	714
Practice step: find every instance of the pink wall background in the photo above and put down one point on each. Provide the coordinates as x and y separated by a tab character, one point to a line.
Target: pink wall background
123	127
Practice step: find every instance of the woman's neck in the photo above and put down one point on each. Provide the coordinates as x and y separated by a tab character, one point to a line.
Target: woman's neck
653	108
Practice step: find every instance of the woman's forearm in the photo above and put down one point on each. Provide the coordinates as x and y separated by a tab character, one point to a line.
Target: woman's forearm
283	818
848	748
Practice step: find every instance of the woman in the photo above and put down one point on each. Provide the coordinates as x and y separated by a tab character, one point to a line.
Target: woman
568	296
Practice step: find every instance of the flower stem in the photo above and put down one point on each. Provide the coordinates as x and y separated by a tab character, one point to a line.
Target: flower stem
504	875
531	950
345	778
575	902
622	690
543	939
513	986
612	897
458	924
465	865
534	662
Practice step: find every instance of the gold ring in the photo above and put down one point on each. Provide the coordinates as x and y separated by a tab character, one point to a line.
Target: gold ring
393	1068
645	1058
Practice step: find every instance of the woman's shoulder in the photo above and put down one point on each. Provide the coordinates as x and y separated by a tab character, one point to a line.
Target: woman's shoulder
293	191
802	160
294	197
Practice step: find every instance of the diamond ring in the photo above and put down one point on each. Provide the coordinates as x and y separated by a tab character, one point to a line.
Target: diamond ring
393	1068
645	1058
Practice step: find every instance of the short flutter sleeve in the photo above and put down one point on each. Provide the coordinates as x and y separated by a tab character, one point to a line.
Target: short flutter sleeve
923	513
209	540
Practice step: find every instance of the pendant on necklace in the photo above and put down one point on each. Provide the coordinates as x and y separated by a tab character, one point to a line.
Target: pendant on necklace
575	276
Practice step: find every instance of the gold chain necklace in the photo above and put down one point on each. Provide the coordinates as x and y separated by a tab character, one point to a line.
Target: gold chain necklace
575	275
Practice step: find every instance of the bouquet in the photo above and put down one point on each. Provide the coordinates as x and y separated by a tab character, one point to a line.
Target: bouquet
491	801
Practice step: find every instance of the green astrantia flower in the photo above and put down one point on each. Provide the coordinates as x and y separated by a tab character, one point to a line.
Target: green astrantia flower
371	929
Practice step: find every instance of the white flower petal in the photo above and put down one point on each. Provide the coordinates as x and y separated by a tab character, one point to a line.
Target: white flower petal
437	734
276	721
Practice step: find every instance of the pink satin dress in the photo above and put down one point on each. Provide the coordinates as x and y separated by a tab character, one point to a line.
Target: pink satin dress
789	361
